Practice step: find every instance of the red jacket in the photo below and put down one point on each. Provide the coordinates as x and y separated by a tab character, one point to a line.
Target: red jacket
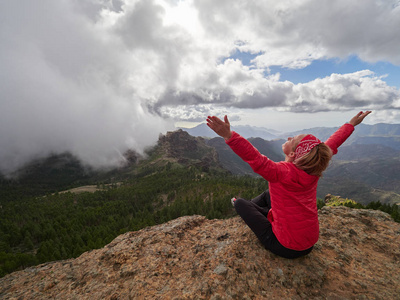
294	213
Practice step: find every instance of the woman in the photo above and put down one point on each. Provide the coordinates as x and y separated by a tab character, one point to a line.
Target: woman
285	218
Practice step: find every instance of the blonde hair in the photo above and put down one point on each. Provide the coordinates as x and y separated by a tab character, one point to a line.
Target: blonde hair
316	161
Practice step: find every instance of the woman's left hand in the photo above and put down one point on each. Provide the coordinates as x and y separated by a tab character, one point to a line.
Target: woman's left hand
358	118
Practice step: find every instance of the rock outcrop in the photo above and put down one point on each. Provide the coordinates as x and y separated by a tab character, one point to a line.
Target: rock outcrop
187	150
357	257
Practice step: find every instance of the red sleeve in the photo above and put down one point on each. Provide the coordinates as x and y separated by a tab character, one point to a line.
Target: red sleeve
260	164
339	137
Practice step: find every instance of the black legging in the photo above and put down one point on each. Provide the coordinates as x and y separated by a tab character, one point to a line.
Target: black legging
254	213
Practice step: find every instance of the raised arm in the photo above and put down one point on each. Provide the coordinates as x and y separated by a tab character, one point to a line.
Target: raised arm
260	164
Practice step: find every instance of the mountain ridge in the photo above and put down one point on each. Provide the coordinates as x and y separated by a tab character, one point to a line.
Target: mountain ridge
381	133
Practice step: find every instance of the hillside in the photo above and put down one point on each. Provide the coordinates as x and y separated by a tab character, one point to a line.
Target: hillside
357	257
179	176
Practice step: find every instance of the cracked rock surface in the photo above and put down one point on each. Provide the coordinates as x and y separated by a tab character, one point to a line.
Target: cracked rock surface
356	257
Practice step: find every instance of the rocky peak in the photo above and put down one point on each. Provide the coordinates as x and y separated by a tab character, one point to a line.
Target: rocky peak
357	257
178	142
184	148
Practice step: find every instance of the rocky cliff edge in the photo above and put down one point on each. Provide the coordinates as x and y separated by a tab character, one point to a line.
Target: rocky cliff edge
357	257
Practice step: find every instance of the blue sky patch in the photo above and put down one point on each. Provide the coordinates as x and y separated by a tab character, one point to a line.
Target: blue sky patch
324	68
245	57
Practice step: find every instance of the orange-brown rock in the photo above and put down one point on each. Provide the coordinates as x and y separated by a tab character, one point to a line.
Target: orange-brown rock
357	257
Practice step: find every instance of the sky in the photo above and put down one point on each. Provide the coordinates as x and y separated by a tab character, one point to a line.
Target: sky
98	77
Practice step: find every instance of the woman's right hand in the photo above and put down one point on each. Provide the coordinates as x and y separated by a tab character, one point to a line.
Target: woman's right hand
222	128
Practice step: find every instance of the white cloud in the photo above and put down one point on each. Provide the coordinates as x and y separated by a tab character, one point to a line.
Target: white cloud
97	76
386	116
242	87
297	31
68	84
344	92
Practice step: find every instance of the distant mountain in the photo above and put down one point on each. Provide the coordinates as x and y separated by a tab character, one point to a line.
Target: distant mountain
244	130
359	152
388	141
379	129
381	134
233	163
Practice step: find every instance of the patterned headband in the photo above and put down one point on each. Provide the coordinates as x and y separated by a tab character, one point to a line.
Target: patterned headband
306	145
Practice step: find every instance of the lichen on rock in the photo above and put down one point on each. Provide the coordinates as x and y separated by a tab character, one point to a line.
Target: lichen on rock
357	257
